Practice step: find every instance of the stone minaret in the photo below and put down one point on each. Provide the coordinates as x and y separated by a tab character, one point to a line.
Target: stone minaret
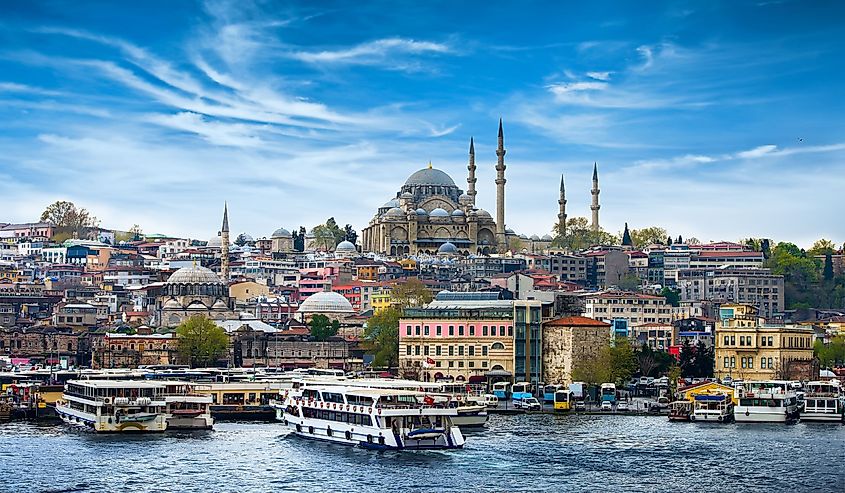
595	206
471	179
561	215
501	241
224	245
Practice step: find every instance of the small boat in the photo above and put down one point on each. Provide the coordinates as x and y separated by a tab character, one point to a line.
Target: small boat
824	401
471	416
715	408
187	409
680	410
768	401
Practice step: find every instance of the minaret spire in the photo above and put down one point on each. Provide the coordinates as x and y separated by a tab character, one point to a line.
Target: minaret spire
595	192
501	240
471	179
224	245
561	216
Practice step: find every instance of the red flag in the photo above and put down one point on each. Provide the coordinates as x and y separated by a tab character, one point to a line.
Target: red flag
428	400
429	361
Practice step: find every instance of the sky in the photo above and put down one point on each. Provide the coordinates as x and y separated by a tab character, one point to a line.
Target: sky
714	120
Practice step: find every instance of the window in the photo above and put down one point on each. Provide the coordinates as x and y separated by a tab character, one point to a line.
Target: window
742	342
437	350
460	350
425	330
727	340
451	330
408	331
733	361
763	363
451	350
460	330
502	331
771	339
460	364
733	340
418	330
471	350
472	330
451	364
484	330
425	350
417	350
742	360
484	350
510	330
771	364
497	346
408	349
750	362
439	330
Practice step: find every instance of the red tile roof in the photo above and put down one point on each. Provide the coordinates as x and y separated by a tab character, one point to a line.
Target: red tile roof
576	322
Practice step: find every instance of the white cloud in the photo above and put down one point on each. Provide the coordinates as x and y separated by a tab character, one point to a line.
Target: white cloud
759	151
604	76
371	53
561	89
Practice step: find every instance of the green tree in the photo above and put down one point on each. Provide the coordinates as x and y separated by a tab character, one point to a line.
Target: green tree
832	354
822	247
646	236
827	271
324	239
686	360
349	234
580	235
200	341
322	327
338	233
411	292
382	337
673	297
705	360
69	220
629	282
242	240
594	370
622	360
299	239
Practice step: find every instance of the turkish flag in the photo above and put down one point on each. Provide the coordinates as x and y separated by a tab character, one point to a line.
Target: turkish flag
429	361
428	400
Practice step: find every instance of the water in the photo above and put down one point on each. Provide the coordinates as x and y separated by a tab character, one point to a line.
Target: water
515	453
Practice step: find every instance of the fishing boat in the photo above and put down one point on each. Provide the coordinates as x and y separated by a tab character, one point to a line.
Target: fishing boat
370	417
715	408
823	401
114	405
680	410
767	401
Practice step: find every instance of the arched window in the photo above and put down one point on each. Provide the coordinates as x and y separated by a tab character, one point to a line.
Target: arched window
497	346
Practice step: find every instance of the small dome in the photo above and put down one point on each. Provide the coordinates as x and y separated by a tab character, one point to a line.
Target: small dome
457	212
406	195
464	198
196	306
219	305
523	237
281	233
447	248
391	203
422	212
345	247
195	274
535	237
484	214
395	212
172	304
326	302
438	212
547	238
430	176
214	242
510	231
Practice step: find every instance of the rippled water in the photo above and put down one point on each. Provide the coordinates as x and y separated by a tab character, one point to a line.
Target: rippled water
527	452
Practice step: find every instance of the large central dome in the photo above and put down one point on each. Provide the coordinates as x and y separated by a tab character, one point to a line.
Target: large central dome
430	176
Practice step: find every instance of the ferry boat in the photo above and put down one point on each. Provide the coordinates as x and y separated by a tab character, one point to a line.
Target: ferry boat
680	410
717	408
824	401
114	405
243	400
769	401
186	408
370	417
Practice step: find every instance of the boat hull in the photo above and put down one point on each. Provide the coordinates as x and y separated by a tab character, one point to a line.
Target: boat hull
201	422
473	419
700	417
823	417
763	416
109	424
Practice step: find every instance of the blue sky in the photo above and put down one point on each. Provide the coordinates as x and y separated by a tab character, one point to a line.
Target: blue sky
717	120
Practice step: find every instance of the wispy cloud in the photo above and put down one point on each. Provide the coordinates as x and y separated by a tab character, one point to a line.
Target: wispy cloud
605	76
372	53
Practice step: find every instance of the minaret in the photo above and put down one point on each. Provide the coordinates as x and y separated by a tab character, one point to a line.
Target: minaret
595	207
561	215
471	179
224	245
501	241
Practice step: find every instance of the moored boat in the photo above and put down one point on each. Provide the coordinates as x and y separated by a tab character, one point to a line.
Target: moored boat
370	417
714	408
680	410
114	405
768	401
186	408
824	401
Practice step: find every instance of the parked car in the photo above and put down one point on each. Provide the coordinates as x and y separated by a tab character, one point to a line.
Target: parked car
663	402
606	406
529	404
623	407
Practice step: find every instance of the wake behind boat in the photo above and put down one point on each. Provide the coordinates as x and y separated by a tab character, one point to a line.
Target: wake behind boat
370	417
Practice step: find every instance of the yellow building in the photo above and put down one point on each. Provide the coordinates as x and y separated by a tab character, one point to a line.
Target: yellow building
244	291
381	301
747	348
706	388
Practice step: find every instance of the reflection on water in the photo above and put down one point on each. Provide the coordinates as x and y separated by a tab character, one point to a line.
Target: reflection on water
516	453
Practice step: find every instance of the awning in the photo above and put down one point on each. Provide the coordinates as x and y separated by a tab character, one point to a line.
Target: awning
498	373
477	379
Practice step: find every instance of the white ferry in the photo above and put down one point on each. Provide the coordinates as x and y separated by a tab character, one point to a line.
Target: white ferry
370	417
824	401
187	409
714	408
770	401
114	405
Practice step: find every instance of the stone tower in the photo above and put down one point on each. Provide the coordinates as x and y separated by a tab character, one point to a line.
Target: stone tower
595	191
501	240
471	179
561	215
224	245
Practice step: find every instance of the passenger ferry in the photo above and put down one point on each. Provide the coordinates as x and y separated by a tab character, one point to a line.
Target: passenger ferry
824	401
243	400
716	408
770	401
562	400
187	409
371	418
114	405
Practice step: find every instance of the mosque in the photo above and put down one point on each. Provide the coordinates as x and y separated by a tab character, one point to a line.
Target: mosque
431	215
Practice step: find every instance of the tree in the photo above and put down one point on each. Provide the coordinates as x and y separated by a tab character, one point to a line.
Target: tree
646	360
335	230
832	354
323	238
705	360
594	370
622	360
70	220
200	341
686	360
350	234
411	292
382	337
580	235
822	247
299	239
680	239
800	273
322	327
827	271
136	232
629	282
241	240
693	241
672	296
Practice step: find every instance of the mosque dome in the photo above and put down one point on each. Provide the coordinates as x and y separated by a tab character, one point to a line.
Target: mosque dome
465	199
214	242
219	305
430	176
510	231
281	233
524	237
172	304
547	238
326	302
438	212
406	195
535	238
422	212
457	212
345	247
391	203
195	274
395	212
447	248
484	214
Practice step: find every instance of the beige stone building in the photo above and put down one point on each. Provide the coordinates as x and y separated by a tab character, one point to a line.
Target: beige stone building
247	290
747	348
636	308
568	340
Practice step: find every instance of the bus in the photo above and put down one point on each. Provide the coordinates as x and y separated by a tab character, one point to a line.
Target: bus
608	392
549	392
521	390
501	390
563	400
